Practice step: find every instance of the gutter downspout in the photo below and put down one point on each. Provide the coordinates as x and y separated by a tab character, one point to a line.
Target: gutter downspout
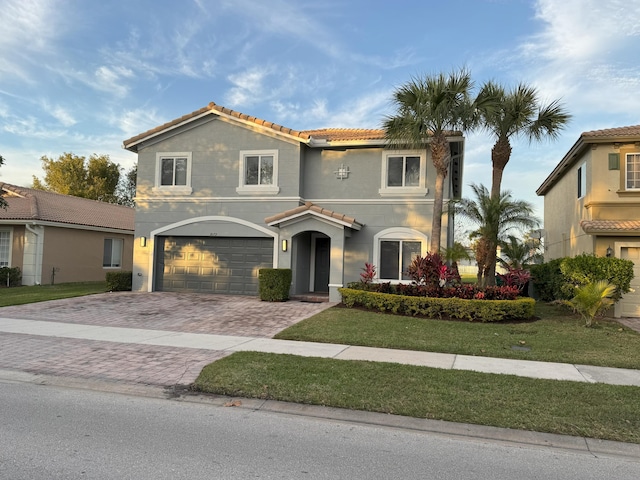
37	267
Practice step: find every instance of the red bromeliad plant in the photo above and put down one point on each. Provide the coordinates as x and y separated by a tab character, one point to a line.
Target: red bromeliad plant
368	273
515	277
431	271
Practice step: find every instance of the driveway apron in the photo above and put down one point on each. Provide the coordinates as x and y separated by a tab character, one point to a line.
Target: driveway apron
133	363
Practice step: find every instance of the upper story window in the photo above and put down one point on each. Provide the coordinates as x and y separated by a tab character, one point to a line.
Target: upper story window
5	247
112	256
173	172
403	173
632	171
258	172
582	180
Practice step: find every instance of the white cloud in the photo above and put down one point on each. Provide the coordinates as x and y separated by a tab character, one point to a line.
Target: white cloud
133	122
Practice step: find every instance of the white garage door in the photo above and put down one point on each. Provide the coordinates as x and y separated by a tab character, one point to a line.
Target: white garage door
212	264
630	303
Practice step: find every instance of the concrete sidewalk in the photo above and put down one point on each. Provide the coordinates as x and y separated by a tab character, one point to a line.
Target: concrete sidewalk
225	344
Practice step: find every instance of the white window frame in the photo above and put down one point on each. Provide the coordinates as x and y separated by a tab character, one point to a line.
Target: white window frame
173	189
582	180
626	171
272	189
420	191
114	241
8	230
400	234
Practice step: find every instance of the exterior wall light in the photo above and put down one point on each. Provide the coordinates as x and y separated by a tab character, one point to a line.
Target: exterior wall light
143	241
609	251
284	245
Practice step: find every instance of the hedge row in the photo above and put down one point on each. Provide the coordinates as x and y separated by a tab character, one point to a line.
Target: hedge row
472	310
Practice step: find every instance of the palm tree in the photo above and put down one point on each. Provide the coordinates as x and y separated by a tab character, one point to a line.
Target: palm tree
519	253
494	218
516	113
429	109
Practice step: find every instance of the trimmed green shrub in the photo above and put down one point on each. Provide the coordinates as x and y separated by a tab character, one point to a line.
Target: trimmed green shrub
119	281
547	280
585	269
274	284
457	308
559	278
10	277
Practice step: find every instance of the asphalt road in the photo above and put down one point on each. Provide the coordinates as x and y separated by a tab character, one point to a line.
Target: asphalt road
49	432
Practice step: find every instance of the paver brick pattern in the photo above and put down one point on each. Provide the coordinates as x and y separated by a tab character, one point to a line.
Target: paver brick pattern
141	364
176	312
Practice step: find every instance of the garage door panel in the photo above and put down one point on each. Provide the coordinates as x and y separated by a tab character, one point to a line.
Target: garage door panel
220	265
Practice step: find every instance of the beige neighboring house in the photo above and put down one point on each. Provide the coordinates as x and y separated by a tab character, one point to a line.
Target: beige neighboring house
592	203
57	238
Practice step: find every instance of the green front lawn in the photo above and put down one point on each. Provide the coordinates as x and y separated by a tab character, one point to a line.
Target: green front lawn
41	293
572	408
558	336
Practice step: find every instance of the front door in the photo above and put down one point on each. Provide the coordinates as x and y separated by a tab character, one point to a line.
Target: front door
322	263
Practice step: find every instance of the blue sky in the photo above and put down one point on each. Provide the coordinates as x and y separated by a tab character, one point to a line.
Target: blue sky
83	75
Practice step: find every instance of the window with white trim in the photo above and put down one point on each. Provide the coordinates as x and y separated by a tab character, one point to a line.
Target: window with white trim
112	256
394	250
403	173
5	247
173	171
632	171
258	172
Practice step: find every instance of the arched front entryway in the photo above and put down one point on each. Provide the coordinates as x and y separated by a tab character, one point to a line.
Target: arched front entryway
311	262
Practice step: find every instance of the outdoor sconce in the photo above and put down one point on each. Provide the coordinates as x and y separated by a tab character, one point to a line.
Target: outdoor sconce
609	251
143	241
284	245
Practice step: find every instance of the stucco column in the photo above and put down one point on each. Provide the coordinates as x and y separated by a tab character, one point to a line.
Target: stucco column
336	275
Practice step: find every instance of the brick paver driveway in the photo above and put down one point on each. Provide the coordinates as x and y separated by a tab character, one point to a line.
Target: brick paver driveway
130	363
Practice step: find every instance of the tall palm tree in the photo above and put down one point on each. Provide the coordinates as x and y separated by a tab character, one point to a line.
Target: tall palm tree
429	109
514	113
519	253
494	218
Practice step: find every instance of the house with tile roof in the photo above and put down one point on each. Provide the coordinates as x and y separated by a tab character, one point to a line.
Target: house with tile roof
592	203
57	238
221	194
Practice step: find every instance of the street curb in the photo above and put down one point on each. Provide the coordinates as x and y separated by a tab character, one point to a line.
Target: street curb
590	446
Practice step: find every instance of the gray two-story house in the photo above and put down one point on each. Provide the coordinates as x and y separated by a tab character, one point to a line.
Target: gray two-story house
221	194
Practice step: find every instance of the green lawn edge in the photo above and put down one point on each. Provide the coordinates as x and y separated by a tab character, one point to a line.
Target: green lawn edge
599	411
557	336
42	293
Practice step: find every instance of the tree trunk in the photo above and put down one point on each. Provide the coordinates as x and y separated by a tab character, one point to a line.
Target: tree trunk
500	155
436	223
440	156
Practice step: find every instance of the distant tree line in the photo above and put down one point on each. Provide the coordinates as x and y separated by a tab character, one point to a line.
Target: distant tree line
96	178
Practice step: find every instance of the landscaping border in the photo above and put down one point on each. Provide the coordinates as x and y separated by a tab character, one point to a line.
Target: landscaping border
457	308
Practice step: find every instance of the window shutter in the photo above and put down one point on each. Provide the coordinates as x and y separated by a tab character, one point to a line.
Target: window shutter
614	161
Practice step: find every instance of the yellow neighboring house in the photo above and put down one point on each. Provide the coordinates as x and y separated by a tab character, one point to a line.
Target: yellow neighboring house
57	238
592	203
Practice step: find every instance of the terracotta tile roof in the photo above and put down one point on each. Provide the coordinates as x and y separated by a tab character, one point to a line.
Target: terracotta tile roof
212	107
310	207
631	131
322	134
345	134
37	205
610	226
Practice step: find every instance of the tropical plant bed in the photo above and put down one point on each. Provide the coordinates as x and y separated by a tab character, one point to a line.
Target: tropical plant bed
475	309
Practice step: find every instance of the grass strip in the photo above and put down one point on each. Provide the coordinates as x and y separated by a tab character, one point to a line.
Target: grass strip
557	336
42	293
571	408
